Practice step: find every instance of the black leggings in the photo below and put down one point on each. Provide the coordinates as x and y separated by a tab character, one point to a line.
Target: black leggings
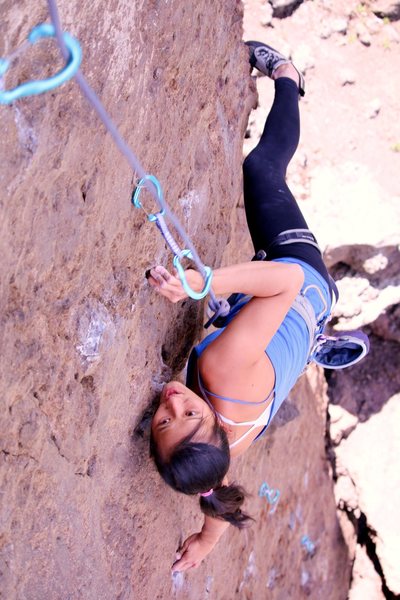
270	205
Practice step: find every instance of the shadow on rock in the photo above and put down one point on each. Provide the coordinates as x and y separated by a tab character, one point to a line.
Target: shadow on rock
378	265
182	336
364	389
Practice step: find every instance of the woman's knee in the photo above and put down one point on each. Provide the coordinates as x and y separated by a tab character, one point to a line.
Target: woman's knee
261	173
259	161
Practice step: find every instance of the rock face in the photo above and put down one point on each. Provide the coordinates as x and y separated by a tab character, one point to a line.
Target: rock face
86	346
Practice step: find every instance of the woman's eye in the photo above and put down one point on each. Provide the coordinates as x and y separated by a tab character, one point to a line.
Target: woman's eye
191	413
164	421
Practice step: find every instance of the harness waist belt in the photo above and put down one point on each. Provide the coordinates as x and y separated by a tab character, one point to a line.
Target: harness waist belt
291	236
305	309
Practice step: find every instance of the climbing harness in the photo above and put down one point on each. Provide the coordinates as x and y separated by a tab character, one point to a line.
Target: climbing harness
291	236
71	52
31	88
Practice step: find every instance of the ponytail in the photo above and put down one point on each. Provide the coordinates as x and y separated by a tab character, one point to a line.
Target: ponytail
224	503
194	467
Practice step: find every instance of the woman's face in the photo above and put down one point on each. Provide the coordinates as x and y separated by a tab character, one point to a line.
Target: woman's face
179	413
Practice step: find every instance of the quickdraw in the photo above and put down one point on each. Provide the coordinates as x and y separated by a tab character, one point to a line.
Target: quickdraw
31	88
179	253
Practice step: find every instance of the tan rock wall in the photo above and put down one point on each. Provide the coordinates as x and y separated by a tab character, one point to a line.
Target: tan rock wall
86	346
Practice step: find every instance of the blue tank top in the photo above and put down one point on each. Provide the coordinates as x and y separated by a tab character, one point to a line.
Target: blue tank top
288	349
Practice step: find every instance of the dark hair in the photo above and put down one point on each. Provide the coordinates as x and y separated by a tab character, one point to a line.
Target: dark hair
196	467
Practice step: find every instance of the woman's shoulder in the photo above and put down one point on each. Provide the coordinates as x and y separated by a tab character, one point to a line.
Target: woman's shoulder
205	342
229	383
236	387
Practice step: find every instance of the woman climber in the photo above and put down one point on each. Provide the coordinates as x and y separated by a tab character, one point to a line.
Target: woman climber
239	376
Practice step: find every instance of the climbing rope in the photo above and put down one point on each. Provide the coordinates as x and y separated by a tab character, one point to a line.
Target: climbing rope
68	49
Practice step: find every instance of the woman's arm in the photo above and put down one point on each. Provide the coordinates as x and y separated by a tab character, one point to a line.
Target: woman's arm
197	546
256	278
241	346
240	349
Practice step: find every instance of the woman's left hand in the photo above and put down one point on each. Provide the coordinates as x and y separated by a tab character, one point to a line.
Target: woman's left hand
192	552
166	284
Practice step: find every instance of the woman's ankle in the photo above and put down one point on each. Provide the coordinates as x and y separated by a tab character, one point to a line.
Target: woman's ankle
286	70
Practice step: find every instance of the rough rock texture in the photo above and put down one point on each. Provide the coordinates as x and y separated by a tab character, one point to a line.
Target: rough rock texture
86	346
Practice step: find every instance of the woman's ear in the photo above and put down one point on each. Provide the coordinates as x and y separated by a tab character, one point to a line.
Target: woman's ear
224	426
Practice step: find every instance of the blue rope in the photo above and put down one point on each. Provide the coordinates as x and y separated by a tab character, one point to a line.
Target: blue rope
218	306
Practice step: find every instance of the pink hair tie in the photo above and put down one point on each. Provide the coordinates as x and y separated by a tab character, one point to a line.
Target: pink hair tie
207	493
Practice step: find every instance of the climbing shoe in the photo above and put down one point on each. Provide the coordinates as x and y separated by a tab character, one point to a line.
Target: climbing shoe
266	60
339	352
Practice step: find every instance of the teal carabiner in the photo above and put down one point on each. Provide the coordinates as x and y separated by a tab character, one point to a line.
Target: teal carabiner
160	197
182	277
31	88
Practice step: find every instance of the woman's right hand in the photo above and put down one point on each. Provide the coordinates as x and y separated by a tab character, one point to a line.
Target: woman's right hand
168	285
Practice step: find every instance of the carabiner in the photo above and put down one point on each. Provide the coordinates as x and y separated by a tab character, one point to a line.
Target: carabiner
31	88
182	277
160	197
